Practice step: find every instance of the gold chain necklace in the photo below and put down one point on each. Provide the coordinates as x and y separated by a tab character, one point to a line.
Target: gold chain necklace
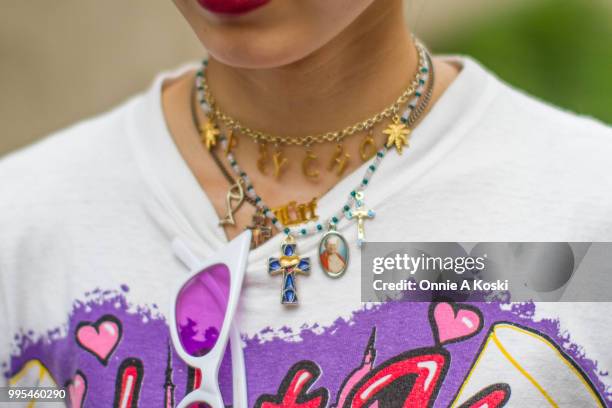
392	111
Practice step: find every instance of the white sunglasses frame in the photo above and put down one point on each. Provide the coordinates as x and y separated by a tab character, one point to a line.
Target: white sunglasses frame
234	255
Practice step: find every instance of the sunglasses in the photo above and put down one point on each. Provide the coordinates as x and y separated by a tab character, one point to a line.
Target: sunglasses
202	310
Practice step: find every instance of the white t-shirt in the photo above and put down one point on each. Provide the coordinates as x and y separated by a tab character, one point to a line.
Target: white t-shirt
87	217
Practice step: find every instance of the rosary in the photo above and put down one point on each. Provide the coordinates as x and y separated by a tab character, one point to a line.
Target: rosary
300	219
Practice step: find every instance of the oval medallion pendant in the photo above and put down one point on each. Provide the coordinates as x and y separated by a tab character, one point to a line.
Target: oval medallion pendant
333	254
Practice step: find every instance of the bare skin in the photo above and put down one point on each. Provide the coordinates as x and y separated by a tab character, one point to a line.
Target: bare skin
357	74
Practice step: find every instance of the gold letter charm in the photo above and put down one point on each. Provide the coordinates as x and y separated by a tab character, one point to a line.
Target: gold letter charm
293	213
311	210
262	160
279	162
282	214
306	164
367	148
231	142
340	159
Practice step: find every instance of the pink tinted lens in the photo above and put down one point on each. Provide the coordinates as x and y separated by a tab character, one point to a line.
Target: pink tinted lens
200	309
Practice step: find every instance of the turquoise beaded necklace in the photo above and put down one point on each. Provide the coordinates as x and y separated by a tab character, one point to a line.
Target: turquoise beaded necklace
310	227
290	264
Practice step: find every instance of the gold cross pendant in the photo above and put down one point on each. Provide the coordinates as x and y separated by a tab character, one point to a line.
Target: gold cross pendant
360	213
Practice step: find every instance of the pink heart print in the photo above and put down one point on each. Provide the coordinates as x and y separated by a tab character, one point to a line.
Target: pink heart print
77	388
100	338
455	323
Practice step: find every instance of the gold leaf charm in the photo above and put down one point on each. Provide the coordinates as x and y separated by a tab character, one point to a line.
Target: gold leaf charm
398	135
209	133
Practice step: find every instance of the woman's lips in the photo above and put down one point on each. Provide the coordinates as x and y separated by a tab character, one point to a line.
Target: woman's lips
231	6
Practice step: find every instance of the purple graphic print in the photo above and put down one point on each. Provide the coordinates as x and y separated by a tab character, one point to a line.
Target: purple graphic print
189	333
115	351
200	309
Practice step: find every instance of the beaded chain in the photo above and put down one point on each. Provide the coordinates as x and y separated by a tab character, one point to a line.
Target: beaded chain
310	227
409	117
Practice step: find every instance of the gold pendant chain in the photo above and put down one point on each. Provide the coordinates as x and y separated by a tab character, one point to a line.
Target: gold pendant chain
391	111
261	227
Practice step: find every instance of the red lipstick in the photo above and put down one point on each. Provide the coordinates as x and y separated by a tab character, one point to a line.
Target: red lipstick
231	6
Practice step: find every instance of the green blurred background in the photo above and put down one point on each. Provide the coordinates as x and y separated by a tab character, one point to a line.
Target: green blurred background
559	50
69	59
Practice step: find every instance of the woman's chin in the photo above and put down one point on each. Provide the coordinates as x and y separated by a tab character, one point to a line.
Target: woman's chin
259	54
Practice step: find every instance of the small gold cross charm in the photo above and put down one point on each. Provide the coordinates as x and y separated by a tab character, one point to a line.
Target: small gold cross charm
361	214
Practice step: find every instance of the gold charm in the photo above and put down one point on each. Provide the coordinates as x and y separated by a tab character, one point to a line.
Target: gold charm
209	133
367	148
231	142
233	201
339	159
398	135
307	163
294	213
262	160
279	162
361	214
260	228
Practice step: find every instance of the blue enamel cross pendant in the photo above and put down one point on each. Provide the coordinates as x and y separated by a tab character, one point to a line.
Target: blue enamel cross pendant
290	265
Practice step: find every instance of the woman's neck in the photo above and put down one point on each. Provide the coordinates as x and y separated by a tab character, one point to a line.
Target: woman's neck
331	88
336	86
